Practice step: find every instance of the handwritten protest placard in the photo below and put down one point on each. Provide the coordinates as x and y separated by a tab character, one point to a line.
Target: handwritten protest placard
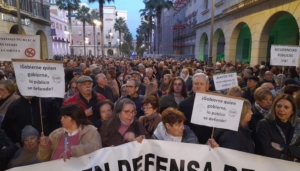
40	78
225	81
19	46
217	111
284	55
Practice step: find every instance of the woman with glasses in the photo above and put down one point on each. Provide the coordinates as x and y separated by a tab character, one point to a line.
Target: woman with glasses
122	124
151	118
176	93
72	89
105	109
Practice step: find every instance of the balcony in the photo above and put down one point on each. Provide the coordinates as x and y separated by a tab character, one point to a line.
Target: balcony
188	31
36	11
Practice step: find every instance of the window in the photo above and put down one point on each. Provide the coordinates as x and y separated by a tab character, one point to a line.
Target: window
66	28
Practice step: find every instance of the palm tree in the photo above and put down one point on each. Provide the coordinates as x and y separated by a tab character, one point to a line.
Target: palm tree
85	17
101	4
120	26
158	6
94	16
149	14
69	5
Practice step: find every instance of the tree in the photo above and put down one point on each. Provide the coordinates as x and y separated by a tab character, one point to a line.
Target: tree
85	17
101	4
69	5
125	48
120	26
149	14
158	6
94	16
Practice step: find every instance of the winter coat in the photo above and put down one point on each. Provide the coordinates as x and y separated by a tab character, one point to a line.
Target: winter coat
7	153
22	112
187	137
203	133
256	117
113	137
167	101
189	83
106	92
240	140
268	131
89	141
249	95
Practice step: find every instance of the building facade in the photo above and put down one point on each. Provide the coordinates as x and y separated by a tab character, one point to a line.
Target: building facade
35	21
111	37
246	29
59	30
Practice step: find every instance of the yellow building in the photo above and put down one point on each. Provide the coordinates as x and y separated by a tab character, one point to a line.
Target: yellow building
246	29
35	20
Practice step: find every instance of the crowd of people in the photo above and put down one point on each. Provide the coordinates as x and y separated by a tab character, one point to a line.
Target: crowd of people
112	101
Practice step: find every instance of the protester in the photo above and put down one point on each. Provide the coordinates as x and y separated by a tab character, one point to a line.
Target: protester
75	138
165	84
7	150
277	134
151	117
86	97
238	140
187	78
105	110
142	88
172	128
7	96
102	88
112	83
122	121
252	84
77	72
176	93
27	154
235	91
71	89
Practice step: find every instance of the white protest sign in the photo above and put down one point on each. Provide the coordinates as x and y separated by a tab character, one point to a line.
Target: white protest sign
40	78
282	55
15	46
217	111
225	81
155	155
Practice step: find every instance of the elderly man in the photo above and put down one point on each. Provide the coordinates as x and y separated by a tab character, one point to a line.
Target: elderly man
82	66
187	78
87	98
149	73
142	88
102	87
77	72
268	78
271	87
141	69
252	84
200	84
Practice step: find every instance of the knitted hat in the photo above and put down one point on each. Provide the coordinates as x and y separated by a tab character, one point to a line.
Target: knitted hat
27	131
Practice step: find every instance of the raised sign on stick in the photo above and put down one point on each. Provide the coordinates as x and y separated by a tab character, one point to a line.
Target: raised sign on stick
225	81
217	111
282	55
40	78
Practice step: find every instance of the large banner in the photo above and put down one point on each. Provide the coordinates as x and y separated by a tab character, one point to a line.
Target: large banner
40	78
15	46
284	55
154	155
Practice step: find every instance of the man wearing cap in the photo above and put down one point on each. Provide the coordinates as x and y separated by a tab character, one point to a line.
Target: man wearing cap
252	83
87	98
142	88
77	72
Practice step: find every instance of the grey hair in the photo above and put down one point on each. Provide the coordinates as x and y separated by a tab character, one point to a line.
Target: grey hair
121	103
248	71
97	76
136	82
148	69
82	64
201	75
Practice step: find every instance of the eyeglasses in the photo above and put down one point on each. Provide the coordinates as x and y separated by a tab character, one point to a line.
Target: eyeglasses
127	112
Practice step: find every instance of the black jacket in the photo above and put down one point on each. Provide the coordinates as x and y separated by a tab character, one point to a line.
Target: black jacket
106	92
256	117
7	153
203	133
268	131
167	101
249	94
142	89
240	140
24	112
189	83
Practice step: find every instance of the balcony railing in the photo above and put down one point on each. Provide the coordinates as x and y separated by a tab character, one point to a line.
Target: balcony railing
30	6
184	32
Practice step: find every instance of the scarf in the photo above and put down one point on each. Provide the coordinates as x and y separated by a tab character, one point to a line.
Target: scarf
261	110
148	122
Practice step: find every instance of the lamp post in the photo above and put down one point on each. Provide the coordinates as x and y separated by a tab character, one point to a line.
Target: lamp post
97	23
212	22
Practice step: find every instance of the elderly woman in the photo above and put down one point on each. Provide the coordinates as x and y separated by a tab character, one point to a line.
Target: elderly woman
114	131
27	154
240	140
172	128
7	96
151	118
7	150
278	134
105	109
176	93
76	137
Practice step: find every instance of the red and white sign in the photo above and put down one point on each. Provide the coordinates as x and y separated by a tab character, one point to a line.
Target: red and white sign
14	46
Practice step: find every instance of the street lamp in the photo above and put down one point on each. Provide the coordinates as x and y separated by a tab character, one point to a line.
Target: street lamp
97	23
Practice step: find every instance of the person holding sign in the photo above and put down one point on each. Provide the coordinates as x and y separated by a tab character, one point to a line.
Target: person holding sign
278	134
172	128
240	140
76	137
